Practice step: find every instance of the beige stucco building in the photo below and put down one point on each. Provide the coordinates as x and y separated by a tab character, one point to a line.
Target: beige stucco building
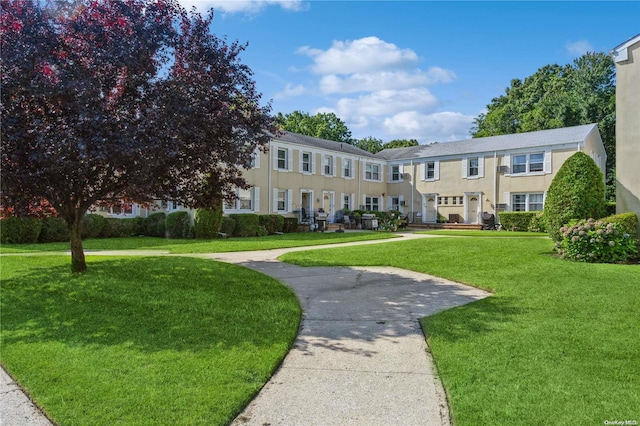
627	59
456	181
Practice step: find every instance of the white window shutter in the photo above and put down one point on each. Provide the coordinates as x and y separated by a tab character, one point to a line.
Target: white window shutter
275	158
256	199
313	162
401	200
389	202
300	161
334	165
480	167
547	161
436	170
256	159
423	173
351	199
275	200
290	159
465	166
289	200
507	201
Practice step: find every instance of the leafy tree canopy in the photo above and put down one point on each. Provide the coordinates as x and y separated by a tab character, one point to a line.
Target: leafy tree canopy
400	143
109	99
555	96
322	125
369	143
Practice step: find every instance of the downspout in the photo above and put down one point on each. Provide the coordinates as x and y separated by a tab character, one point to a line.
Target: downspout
412	189
495	185
270	170
359	198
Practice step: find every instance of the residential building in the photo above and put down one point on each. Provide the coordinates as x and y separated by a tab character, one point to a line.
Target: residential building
627	59
300	176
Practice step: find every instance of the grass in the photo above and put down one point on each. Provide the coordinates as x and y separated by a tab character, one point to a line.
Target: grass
556	344
298	239
486	234
142	341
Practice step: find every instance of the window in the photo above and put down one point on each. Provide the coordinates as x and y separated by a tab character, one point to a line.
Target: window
461	200
283	159
395	203
122	208
395	173
346	202
306	162
527	163
346	167
446	200
245	200
372	171
527	202
372	203
282	200
430	170
328	165
454	200
473	167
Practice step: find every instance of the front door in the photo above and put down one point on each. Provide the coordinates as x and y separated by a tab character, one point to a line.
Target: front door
328	204
306	205
430	208
473	203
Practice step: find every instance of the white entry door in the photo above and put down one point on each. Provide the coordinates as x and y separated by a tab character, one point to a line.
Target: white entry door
473	206
429	208
328	204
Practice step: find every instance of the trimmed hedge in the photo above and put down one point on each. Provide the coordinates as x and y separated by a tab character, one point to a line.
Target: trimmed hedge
123	228
272	223
628	222
576	192
154	225
610	208
246	224
290	225
516	221
207	223
54	230
92	225
20	230
178	225
228	226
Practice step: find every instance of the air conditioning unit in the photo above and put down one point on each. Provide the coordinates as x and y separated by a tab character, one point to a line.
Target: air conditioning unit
503	169
403	203
406	176
501	206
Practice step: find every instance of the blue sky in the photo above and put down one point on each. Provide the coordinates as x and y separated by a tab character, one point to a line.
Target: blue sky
410	69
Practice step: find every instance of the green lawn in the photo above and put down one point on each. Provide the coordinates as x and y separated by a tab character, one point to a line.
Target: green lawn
298	239
142	341
558	343
487	234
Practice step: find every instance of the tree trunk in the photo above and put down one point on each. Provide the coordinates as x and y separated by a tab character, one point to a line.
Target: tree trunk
78	263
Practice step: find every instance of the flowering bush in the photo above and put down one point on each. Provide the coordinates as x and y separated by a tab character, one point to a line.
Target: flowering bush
596	241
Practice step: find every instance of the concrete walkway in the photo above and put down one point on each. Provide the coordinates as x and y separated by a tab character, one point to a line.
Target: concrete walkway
360	357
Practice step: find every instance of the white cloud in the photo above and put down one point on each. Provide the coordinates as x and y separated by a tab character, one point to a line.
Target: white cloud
355	56
440	126
578	48
386	102
290	91
363	82
242	6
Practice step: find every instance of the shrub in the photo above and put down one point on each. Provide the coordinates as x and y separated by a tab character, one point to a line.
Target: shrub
576	192
272	223
290	225
596	241
92	225
20	230
121	228
610	208
628	222
516	221
154	225
178	225
207	223
228	226
54	230
538	224
246	224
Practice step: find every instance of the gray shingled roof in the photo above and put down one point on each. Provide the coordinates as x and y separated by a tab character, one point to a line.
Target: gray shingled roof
322	143
541	138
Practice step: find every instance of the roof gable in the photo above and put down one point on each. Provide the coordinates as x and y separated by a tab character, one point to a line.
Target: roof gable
620	53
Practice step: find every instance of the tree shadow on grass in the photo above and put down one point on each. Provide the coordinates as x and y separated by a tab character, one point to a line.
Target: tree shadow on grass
150	304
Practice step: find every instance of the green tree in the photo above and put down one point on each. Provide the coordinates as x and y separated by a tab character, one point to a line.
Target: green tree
576	192
400	143
369	143
555	96
322	125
